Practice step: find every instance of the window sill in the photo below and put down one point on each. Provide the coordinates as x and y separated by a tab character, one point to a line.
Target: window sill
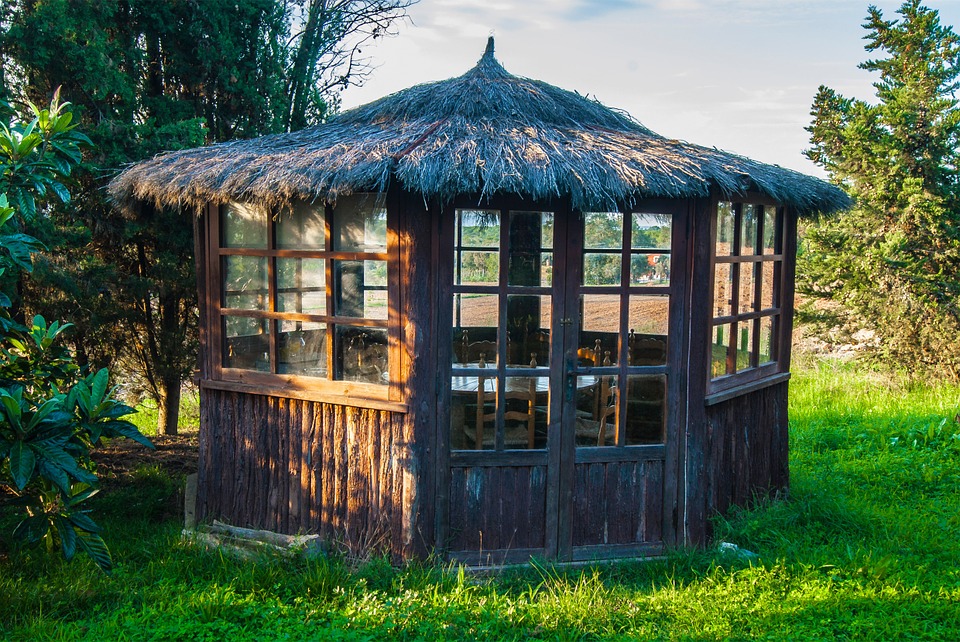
349	394
745	388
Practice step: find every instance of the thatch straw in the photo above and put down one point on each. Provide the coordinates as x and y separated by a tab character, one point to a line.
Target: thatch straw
486	132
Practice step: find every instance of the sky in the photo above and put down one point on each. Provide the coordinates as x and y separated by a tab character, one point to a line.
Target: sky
739	75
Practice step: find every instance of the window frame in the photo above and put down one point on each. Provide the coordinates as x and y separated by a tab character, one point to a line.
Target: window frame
319	388
756	375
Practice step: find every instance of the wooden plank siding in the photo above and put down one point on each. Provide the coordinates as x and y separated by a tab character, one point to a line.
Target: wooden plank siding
747	448
296	466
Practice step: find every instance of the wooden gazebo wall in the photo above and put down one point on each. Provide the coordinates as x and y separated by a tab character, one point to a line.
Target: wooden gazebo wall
360	477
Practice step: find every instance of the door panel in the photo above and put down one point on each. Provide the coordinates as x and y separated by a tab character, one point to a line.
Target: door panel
561	384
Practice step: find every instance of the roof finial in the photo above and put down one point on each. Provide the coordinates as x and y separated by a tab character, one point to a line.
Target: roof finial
489	50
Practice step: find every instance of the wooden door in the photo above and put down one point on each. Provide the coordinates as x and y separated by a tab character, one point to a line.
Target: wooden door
623	313
540	353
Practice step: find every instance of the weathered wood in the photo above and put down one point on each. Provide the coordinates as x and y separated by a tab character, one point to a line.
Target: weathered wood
295	466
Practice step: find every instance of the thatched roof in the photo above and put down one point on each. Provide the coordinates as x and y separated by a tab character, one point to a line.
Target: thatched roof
486	132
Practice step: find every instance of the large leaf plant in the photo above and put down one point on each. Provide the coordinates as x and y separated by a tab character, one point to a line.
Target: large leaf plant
51	413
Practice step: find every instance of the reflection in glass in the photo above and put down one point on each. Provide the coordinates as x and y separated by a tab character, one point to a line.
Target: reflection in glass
361	289
646	411
528	329
749	220
478	268
302	227
744	345
770	224
475	321
720	361
302	348
360	223
651	231
597	410
650	269
767	285
600	323
361	354
245	282
747	291
602	230
301	286
243	225
724	228
601	269
246	343
478	228
722	290
767	350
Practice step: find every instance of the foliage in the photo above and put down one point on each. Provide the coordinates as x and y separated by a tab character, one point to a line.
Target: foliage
156	76
893	263
866	547
50	414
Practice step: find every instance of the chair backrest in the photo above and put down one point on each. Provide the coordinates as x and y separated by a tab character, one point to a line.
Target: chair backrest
475	351
364	360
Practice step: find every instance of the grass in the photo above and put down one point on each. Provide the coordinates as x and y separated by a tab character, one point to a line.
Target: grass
867	546
146	417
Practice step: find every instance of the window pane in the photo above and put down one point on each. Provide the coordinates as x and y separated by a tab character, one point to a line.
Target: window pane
546	230
361	354
646	409
475	321
768	344
650	269
302	227
246	343
651	231
767	283
602	230
770	223
243	225
245	282
597	415
600	328
478	228
526	403
724	229
744	345
526	245
528	329
601	269
649	329
360	292
747	291
546	269
360	223
720	362
722	290
478	268
748	228
473	412
303	348
301	286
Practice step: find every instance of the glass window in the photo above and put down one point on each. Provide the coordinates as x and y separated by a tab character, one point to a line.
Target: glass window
312	284
746	292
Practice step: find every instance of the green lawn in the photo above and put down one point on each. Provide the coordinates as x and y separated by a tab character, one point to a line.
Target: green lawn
866	547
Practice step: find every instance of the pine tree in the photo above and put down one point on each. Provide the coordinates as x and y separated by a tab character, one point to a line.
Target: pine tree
893	262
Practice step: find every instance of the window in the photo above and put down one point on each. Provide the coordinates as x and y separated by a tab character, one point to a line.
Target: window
303	292
747	293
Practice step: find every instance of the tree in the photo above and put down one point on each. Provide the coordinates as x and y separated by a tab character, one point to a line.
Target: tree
51	414
154	76
893	262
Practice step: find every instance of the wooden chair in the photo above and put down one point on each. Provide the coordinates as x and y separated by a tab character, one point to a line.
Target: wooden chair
526	395
473	352
646	351
597	422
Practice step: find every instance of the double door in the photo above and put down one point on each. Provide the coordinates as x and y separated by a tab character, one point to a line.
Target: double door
559	387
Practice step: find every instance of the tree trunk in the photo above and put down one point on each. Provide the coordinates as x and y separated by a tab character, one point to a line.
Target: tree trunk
168	406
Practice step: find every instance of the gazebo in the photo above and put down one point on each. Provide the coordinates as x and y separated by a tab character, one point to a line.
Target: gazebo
487	318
